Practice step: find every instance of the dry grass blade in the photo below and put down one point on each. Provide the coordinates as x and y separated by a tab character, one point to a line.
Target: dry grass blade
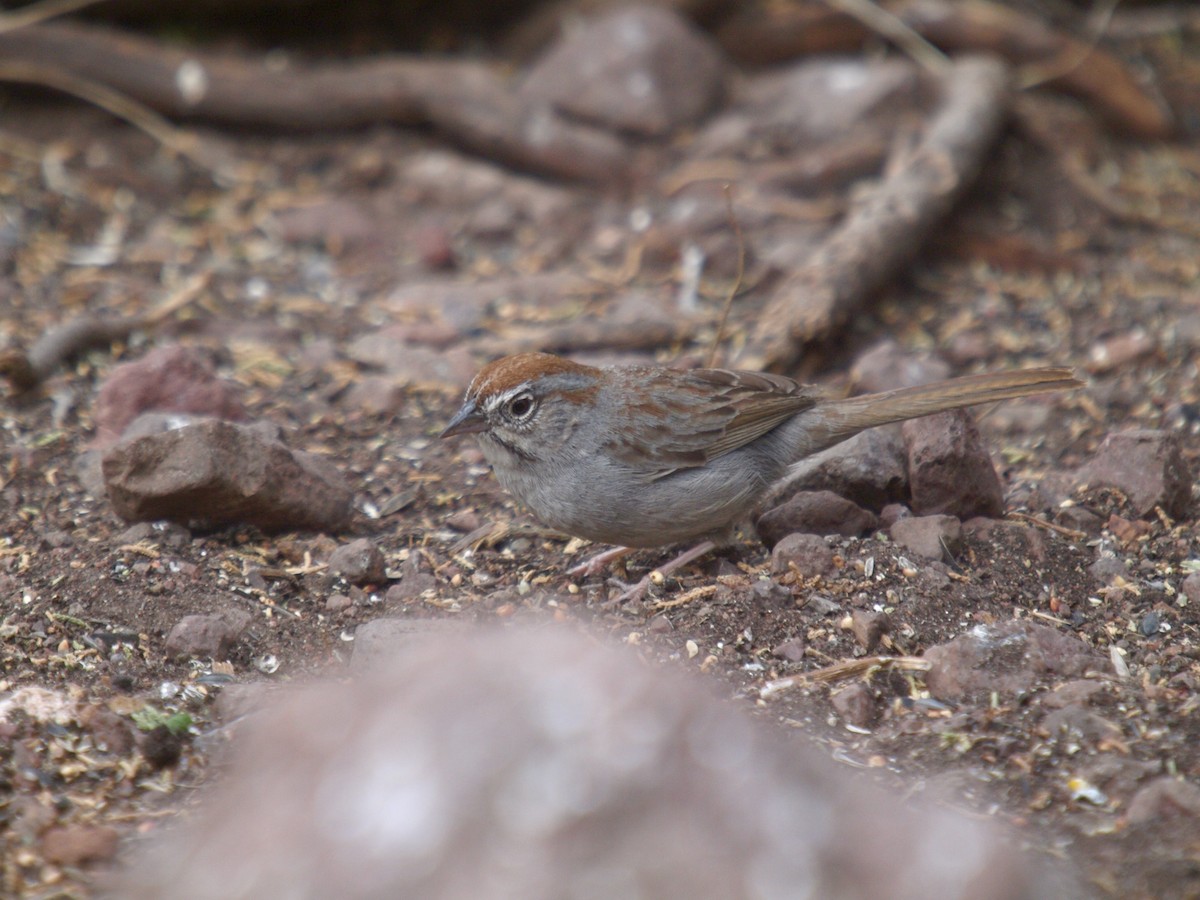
840	671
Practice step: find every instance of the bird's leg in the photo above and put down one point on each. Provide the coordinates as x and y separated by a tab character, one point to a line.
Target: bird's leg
638	591
596	565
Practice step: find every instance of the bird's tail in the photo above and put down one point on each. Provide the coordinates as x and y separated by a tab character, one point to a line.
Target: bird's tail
842	419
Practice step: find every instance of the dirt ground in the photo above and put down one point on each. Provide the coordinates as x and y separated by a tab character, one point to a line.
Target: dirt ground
311	253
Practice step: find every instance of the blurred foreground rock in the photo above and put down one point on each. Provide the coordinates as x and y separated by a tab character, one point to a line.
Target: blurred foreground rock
536	766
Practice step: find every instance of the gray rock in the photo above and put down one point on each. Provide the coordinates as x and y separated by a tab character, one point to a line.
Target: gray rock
1079	725
642	69
216	473
598	775
886	366
1107	569
1008	658
380	640
1191	587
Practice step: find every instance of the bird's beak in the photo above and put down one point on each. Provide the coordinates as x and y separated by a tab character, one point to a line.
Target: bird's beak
468	420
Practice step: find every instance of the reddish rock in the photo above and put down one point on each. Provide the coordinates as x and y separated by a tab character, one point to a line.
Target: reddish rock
1191	587
855	704
869	627
110	732
217	473
815	512
809	553
870	469
1078	725
792	649
359	562
168	379
1165	798
642	69
77	845
1008	658
374	395
206	636
932	537
1147	466
893	513
949	470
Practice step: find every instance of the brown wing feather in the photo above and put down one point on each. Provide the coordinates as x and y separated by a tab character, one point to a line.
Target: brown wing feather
727	409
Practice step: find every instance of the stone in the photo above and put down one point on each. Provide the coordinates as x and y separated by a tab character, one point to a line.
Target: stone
642	69
215	473
1076	691
886	366
815	512
359	562
1165	798
855	704
807	552
379	640
932	537
410	588
949	470
1079	519
1007	657
206	636
791	650
1145	465
375	396
77	845
1107	569
869	627
1191	587
1077	724
893	513
110	733
403	781
173	378
870	469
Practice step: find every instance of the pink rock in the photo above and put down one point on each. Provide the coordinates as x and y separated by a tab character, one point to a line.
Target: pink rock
595	774
173	378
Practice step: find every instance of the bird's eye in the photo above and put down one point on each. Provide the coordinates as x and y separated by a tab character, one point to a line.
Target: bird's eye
521	407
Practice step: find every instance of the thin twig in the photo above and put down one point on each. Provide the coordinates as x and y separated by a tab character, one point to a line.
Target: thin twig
896	30
694	594
1101	17
845	669
41	12
1049	526
719	335
120	105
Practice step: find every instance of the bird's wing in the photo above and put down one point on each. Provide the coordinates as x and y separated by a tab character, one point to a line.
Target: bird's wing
700	415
